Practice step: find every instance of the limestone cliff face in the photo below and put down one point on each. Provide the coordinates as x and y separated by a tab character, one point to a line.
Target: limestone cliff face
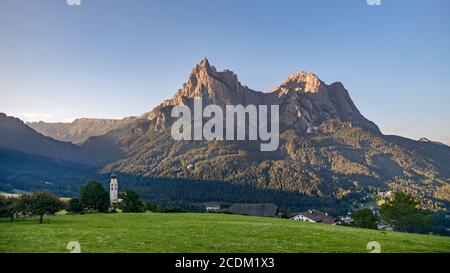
221	88
305	101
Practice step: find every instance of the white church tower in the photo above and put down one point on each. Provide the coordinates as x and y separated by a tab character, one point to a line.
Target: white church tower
113	190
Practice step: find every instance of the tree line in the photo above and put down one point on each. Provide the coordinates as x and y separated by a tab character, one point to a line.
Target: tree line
93	198
403	213
37	203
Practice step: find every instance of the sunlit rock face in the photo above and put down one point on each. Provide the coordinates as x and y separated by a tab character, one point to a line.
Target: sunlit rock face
305	101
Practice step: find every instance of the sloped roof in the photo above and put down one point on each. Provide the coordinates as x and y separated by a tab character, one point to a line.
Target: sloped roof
211	204
318	216
255	209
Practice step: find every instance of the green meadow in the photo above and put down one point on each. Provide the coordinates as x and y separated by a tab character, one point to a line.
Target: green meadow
189	232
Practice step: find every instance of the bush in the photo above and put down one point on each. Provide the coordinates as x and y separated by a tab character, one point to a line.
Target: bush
404	213
75	206
93	197
365	218
131	202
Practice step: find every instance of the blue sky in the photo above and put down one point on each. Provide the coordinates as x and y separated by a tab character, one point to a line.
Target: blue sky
116	58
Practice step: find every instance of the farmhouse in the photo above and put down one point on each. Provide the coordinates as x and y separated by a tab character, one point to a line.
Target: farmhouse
255	209
314	216
385	227
212	206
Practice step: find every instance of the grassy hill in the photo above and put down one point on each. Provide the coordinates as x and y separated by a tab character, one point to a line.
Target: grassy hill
187	232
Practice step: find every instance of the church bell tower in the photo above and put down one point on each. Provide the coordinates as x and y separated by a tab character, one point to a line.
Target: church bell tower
113	190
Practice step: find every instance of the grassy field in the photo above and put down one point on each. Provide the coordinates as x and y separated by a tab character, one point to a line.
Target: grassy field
186	232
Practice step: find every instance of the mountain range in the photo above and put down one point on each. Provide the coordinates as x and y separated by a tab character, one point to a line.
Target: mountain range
328	149
77	131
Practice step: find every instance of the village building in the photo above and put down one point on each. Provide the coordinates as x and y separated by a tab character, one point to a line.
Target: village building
384	194
345	220
255	209
212	206
385	227
314	216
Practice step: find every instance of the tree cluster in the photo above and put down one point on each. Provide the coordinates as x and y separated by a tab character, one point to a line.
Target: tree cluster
94	198
35	204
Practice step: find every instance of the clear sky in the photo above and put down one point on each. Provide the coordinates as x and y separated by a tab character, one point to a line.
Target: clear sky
116	58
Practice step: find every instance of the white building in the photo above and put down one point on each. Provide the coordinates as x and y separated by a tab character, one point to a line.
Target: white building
385	194
212	206
114	190
314	216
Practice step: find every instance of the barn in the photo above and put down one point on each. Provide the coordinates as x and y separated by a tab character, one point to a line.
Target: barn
255	209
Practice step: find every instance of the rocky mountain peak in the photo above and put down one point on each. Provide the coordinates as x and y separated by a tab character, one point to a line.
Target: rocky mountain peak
204	63
305	100
203	68
217	87
301	82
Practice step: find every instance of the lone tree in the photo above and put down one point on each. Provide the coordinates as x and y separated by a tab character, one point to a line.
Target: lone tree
365	218
131	202
404	213
94	197
42	203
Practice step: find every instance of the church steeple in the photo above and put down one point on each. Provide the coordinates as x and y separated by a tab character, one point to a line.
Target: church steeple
113	190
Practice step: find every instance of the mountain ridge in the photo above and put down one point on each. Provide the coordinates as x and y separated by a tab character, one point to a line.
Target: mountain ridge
304	99
328	149
79	130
